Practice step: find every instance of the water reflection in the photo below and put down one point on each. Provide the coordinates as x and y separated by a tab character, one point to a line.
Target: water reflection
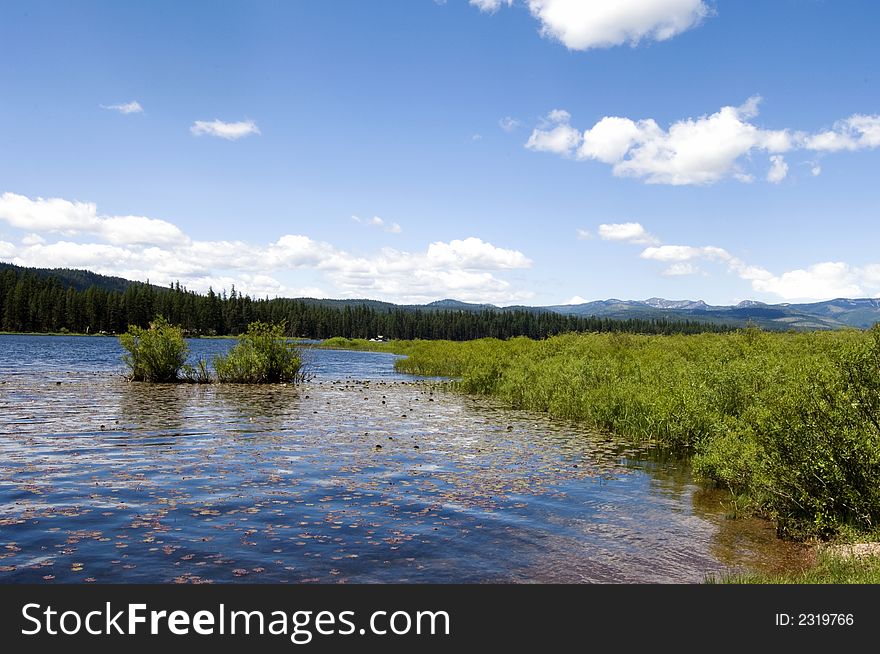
154	408
255	409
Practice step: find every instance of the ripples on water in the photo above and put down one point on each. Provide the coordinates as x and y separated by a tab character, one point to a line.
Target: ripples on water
359	476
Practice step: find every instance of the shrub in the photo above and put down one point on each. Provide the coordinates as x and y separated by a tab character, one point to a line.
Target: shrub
156	354
822	444
262	356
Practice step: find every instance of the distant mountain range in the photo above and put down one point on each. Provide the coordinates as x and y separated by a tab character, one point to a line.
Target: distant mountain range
831	314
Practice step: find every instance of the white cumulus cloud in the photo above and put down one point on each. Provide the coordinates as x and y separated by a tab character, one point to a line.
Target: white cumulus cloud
858	132
627	232
474	253
220	129
67	254
778	169
555	134
702	150
32	239
56	215
132	107
139	229
490	6
47	215
611	138
587	24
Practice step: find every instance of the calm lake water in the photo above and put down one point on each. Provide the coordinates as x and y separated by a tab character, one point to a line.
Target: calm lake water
360	475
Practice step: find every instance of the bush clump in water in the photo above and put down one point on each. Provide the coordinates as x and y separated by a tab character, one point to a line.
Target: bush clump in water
157	354
263	355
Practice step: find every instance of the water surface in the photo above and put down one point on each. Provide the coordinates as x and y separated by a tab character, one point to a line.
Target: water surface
361	475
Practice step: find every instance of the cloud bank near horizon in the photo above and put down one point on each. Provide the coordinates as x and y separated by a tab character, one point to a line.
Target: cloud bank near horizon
825	280
141	248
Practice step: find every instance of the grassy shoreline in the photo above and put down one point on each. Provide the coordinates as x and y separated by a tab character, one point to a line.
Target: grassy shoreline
829	568
788	423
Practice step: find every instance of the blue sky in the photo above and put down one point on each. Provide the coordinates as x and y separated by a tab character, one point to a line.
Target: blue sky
533	151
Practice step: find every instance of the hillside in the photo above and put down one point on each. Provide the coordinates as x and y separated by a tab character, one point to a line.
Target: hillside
78	280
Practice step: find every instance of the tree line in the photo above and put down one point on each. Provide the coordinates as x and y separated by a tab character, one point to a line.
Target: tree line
31	302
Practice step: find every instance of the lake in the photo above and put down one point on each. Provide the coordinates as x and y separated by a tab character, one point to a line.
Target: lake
360	475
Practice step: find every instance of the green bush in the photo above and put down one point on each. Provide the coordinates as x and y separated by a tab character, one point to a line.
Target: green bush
157	354
821	440
262	356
